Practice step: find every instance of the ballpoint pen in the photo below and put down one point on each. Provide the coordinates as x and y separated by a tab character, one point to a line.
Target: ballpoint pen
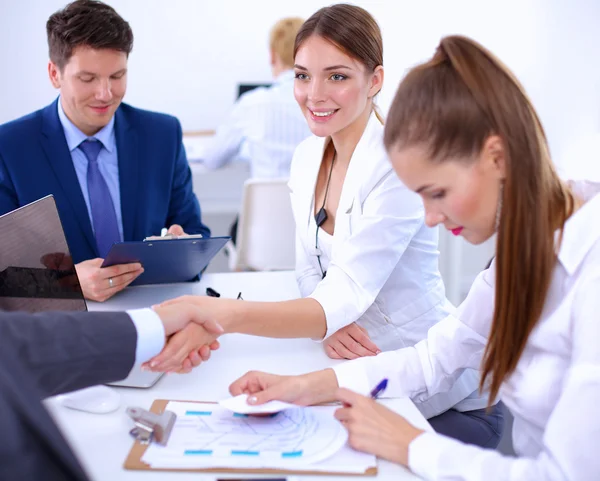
377	390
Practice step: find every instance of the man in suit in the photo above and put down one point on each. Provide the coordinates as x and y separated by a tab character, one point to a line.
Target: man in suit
117	172
51	353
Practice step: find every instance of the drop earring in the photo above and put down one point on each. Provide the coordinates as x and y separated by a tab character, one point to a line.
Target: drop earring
499	208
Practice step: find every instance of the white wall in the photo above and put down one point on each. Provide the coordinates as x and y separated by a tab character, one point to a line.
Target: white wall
190	54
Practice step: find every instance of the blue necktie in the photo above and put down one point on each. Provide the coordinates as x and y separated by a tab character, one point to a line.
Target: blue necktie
104	218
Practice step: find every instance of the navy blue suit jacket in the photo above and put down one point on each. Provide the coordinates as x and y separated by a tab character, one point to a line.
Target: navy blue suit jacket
154	175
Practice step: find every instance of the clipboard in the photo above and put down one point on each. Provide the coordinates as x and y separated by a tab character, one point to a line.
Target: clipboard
134	458
165	261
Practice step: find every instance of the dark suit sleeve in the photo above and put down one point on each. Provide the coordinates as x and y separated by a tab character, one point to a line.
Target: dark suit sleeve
65	351
8	196
184	208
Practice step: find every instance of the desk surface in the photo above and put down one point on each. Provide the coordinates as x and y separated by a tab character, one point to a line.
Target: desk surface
102	441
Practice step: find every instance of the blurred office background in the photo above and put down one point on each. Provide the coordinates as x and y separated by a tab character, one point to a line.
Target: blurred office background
190	56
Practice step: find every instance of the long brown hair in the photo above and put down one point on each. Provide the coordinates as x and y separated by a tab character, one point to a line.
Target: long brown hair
351	29
451	105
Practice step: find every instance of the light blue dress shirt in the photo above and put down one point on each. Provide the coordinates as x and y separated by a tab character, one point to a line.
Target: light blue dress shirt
108	161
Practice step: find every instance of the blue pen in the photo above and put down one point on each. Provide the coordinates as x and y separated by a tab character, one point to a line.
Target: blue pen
377	390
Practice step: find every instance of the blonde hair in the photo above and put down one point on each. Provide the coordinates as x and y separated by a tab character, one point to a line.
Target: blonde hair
282	38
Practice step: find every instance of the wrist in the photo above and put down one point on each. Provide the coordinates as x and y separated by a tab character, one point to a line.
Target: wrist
403	441
231	312
323	384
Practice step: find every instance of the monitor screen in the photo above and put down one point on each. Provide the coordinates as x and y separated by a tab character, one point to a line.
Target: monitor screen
36	269
243	88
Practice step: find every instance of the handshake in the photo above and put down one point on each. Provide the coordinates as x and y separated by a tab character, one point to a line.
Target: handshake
192	329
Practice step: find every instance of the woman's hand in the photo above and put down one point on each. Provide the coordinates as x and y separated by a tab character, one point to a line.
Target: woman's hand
374	429
304	390
350	342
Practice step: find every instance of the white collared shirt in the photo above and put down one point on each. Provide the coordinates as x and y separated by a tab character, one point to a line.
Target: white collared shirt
150	334
268	124
554	392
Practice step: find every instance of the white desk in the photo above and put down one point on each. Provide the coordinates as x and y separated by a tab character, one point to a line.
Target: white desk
102	441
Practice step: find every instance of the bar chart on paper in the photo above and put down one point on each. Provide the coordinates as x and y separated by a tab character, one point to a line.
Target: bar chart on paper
208	436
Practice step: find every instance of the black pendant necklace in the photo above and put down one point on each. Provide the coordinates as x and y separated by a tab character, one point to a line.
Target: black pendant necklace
321	215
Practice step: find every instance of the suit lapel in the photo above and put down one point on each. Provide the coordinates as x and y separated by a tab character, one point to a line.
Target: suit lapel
129	169
59	157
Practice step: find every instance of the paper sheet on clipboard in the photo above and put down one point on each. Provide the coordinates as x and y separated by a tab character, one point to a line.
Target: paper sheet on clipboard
304	439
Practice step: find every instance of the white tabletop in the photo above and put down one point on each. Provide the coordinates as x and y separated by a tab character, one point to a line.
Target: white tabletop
102	441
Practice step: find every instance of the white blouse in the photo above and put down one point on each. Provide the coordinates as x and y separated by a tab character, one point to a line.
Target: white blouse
554	392
382	260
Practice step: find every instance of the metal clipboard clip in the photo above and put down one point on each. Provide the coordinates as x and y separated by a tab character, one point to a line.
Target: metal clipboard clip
151	427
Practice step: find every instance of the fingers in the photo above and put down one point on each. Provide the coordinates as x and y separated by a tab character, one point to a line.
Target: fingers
251	382
120	269
186	367
180	345
342	350
343	415
354	347
169	357
203	353
101	290
240	386
331	352
273	393
361	336
122	281
96	280
348	397
214	345
176	229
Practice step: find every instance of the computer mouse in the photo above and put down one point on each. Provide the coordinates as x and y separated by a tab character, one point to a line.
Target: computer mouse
95	399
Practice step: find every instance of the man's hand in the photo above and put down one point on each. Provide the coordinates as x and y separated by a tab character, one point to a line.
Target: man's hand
100	283
184	320
350	342
177	230
179	355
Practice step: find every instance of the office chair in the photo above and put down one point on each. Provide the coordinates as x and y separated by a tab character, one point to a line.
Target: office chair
266	231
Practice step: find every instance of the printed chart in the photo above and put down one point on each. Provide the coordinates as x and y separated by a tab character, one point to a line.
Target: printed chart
207	435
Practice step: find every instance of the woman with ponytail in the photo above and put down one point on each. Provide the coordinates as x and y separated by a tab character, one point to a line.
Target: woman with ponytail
463	134
367	265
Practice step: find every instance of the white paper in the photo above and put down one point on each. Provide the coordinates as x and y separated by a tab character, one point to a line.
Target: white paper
207	436
239	404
